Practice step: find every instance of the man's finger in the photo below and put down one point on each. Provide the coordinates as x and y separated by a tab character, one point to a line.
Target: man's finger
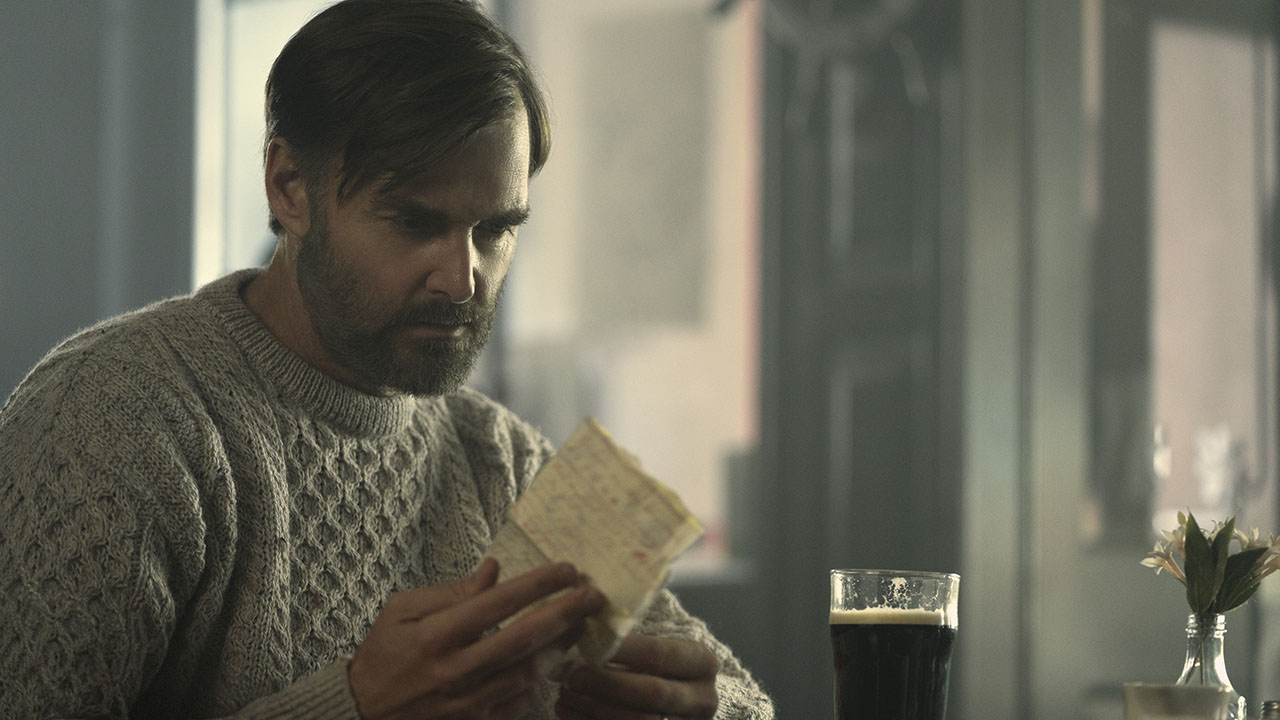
551	626
515	707
577	706
463	622
667	676
513	686
676	658
416	603
589	689
482	578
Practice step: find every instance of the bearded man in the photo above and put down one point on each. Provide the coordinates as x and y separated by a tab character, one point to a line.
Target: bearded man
271	498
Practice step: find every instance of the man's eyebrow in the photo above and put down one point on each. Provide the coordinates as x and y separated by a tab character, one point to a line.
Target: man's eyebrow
511	218
400	205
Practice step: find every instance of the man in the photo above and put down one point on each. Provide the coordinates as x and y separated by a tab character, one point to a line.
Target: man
271	498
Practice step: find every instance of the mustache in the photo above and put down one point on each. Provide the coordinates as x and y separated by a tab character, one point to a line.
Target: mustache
442	313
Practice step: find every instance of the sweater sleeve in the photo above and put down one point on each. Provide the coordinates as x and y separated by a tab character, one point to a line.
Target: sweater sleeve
103	545
741	697
89	585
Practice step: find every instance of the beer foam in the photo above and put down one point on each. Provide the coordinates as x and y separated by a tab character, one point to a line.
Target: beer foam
887	616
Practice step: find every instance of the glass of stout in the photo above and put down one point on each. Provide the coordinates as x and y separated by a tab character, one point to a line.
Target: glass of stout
891	633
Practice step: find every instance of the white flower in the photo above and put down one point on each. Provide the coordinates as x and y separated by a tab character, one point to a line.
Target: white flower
1177	537
1270	567
1162	560
1237	585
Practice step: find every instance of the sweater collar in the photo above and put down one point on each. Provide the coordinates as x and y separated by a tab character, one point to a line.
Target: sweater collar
294	379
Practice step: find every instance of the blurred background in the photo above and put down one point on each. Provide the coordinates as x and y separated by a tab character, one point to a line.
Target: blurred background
985	286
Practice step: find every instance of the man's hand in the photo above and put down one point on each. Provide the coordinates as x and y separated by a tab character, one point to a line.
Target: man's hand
428	656
649	678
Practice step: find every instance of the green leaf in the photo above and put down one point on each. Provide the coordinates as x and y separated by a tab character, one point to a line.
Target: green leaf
1240	597
1239	582
1201	570
1220	549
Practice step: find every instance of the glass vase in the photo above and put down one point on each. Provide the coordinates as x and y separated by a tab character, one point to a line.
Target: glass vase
1205	664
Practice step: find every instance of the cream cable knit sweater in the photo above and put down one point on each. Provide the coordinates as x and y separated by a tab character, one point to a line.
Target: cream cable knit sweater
194	522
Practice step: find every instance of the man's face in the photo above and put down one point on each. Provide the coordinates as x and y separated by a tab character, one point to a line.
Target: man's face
402	289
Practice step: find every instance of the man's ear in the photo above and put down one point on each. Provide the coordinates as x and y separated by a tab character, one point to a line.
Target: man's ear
287	189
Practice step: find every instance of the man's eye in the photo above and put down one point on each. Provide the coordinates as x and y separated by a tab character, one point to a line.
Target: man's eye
412	224
417	225
492	232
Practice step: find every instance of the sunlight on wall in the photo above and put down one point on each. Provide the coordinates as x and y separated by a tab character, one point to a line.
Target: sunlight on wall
239	41
1212	335
207	220
634	296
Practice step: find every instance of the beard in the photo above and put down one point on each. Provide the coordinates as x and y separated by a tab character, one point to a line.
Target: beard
371	341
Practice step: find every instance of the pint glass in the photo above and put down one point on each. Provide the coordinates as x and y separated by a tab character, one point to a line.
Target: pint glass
891	633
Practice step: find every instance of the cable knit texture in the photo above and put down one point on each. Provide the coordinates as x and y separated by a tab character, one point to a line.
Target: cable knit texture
194	522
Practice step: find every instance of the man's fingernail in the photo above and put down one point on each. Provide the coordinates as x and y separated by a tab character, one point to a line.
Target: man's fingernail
592	596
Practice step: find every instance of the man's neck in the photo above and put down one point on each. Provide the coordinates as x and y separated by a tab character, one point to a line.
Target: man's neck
273	297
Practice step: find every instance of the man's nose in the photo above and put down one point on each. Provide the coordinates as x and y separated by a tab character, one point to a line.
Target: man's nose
453	267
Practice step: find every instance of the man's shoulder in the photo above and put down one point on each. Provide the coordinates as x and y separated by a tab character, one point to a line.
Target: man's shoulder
139	355
91	390
470	411
503	452
479	420
135	343
470	401
120	335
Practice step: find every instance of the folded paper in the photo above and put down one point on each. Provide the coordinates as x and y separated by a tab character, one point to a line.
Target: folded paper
593	506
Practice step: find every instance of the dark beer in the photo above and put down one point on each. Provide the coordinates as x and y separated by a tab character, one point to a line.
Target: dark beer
891	665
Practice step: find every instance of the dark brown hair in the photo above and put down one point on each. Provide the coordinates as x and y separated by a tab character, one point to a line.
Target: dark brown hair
383	89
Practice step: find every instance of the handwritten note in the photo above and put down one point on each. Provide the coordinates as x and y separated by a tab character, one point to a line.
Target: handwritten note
593	506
